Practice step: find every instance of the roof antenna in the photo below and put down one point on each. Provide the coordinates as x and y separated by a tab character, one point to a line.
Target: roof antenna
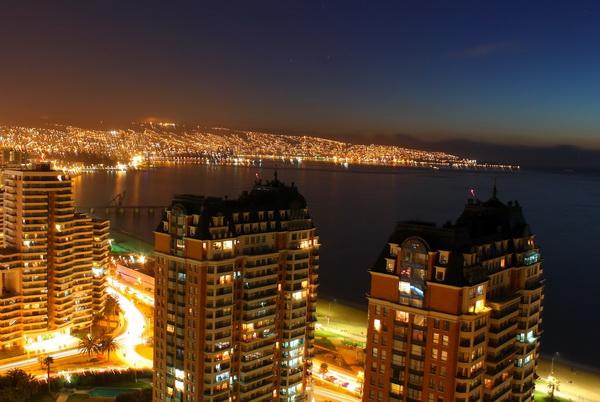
495	191
473	199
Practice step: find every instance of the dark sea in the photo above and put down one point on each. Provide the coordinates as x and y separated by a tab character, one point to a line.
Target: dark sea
355	210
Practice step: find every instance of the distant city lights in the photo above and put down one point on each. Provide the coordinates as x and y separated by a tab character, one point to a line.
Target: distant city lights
80	149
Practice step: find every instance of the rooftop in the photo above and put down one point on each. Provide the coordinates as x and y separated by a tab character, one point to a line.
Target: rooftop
270	195
481	222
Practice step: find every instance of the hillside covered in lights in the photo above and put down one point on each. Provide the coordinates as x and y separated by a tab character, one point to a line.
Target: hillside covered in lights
165	142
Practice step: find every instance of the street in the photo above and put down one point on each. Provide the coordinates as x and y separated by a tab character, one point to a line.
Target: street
131	336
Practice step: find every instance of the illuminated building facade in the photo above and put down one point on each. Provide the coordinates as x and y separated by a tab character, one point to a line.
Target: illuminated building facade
455	311
100	255
235	297
52	260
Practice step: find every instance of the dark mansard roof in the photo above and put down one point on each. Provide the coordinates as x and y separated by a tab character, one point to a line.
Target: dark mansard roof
272	195
481	222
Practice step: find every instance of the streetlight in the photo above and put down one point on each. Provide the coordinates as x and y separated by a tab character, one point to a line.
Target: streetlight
360	378
552	363
329	314
553	382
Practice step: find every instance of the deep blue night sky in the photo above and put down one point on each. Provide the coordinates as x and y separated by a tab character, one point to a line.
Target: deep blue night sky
522	72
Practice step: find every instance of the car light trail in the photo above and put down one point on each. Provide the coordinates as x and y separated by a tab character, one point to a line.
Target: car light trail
135	324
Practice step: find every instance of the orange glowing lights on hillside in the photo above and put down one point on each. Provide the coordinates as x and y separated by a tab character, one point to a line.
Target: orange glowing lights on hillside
165	142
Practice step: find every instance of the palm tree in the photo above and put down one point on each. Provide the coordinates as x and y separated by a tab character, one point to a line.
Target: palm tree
109	344
23	383
111	306
47	361
88	346
17	376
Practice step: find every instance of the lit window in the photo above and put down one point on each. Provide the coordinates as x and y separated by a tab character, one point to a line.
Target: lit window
436	337
443	257
420	320
440	274
396	389
402	316
404	287
299	295
390	265
377	324
228	245
444	355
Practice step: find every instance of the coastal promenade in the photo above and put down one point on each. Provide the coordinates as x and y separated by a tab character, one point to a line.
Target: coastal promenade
339	318
577	383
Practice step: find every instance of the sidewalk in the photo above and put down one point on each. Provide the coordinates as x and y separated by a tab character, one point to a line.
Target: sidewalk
576	383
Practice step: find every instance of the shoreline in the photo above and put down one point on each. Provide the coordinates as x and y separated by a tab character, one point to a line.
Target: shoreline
357	310
360	309
127	242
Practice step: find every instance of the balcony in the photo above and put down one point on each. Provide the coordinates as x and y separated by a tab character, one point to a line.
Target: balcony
252	374
501	392
534	284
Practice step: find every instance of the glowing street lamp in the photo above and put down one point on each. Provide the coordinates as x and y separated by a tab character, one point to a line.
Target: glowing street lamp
360	378
553	385
552	363
553	382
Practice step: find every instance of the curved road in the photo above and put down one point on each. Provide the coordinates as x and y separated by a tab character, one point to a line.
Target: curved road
135	324
132	336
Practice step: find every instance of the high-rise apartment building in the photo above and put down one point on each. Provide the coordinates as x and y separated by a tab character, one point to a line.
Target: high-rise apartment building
235	297
52	259
455	311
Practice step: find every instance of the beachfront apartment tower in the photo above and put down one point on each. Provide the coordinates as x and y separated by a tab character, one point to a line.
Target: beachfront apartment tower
52	259
235	297
455	311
